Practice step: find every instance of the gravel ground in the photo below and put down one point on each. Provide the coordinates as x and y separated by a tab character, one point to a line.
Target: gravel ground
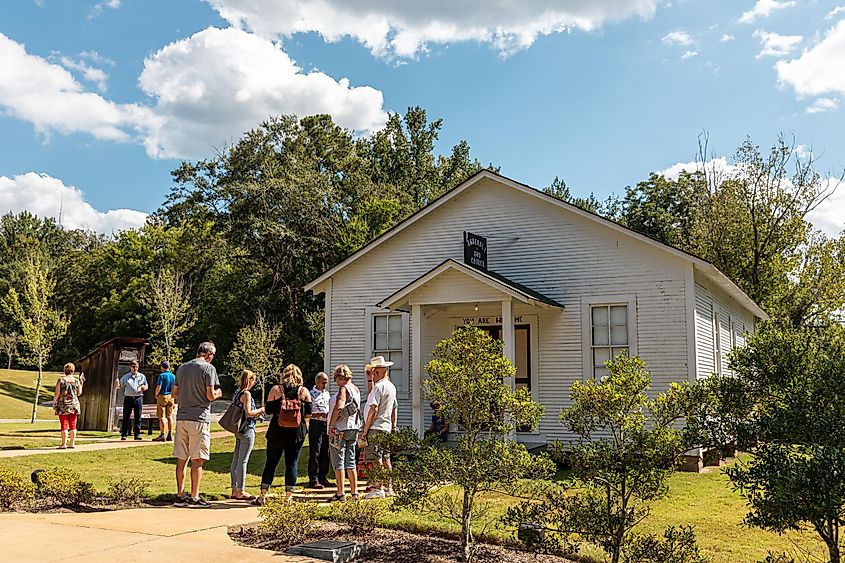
396	546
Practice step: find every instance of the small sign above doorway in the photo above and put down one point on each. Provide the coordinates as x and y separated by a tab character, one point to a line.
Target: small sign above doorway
475	250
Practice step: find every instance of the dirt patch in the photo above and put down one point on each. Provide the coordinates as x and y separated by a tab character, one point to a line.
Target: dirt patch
394	546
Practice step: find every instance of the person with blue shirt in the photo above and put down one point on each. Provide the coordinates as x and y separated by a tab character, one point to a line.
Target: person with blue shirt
133	383
164	402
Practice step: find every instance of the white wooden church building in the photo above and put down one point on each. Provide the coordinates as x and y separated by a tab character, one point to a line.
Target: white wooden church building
563	288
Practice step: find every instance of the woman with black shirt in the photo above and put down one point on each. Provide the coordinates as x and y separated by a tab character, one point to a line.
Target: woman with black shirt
283	441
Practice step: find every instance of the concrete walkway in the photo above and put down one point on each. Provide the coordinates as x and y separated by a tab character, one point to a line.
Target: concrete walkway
102	444
141	534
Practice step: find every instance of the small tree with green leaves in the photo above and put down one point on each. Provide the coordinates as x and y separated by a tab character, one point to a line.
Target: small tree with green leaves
169	300
9	346
467	380
256	349
627	448
785	404
41	325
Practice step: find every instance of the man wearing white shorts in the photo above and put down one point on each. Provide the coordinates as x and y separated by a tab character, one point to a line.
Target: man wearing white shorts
196	387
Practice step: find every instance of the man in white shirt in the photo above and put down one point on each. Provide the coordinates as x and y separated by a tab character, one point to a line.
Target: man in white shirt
380	418
318	439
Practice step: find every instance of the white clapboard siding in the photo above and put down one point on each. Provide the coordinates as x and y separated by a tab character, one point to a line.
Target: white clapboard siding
734	322
704	333
548	249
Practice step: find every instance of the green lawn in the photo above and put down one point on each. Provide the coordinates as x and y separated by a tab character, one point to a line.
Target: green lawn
42	434
17	389
702	500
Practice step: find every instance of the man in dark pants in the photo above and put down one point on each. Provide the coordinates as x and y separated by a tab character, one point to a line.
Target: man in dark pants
133	384
318	439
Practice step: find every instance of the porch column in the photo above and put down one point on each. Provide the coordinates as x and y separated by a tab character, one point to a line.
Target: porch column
508	335
416	369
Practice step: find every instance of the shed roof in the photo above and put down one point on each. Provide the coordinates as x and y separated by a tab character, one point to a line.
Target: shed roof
121	340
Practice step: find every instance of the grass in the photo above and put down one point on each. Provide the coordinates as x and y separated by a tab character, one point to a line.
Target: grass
17	389
42	434
702	500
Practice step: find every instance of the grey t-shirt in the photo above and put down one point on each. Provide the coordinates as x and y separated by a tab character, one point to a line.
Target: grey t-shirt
191	379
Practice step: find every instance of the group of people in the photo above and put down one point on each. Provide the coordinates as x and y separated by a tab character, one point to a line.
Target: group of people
339	426
336	425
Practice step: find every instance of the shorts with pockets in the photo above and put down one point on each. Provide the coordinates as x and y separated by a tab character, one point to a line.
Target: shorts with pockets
193	440
164	406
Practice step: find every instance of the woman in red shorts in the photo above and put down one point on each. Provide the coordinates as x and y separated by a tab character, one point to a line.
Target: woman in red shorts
66	403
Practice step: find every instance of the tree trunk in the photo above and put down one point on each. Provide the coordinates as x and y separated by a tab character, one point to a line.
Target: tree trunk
10	362
37	391
466	528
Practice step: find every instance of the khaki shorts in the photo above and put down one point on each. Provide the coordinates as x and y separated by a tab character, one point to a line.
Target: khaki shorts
371	453
164	406
193	440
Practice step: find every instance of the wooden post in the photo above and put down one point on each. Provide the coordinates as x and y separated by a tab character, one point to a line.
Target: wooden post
508	337
416	368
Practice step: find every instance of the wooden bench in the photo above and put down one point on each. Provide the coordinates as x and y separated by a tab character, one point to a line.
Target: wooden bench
147	412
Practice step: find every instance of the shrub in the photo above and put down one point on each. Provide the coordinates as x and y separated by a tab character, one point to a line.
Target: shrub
16	491
288	522
128	492
360	516
678	545
63	487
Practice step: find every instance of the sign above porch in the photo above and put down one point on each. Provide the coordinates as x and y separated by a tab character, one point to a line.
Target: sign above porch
475	250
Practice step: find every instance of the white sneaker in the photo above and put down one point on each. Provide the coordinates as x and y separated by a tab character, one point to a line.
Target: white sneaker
388	492
377	493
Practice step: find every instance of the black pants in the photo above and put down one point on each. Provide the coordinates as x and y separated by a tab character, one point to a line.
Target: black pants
318	451
131	404
274	456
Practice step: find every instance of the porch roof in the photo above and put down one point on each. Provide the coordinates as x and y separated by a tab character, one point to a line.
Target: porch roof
491	279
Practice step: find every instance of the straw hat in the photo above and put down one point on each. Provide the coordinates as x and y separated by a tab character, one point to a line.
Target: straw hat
379	362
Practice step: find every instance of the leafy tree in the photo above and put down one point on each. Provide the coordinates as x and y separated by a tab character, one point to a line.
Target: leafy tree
466	380
665	209
560	190
9	345
41	325
169	299
786	405
628	446
256	349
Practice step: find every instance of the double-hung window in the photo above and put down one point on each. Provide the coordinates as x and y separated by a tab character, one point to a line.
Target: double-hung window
388	337
609	324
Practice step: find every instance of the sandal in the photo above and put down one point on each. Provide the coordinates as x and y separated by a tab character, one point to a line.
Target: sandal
61	448
71	447
245	497
337	498
355	497
258	501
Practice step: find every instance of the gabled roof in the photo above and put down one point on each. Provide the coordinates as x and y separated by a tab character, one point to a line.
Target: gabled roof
492	279
706	268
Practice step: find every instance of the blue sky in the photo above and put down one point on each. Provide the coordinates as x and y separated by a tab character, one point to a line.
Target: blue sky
99	100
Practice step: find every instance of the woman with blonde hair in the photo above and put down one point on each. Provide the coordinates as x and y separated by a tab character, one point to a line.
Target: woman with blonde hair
245	438
290	403
345	420
66	403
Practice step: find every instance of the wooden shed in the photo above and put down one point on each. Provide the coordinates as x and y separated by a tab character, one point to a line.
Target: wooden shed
101	367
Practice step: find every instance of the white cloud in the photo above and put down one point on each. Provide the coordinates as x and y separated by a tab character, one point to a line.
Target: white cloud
210	88
829	217
46	196
50	98
819	70
726	37
689	54
835	12
93	74
97	9
775	44
677	38
764	9
406	27
822	105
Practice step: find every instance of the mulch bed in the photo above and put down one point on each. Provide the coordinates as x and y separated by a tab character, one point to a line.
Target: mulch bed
394	546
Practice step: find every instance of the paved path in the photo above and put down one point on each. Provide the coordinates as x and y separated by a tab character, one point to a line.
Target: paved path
141	534
107	444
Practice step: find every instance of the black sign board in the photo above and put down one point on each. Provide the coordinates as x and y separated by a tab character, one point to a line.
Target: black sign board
475	250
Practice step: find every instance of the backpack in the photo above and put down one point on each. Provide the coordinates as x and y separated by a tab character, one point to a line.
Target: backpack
231	419
290	412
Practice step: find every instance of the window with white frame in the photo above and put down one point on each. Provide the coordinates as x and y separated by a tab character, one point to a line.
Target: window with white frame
388	333
609	335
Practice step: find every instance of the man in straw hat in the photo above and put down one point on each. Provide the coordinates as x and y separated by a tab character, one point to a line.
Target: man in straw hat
380	418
